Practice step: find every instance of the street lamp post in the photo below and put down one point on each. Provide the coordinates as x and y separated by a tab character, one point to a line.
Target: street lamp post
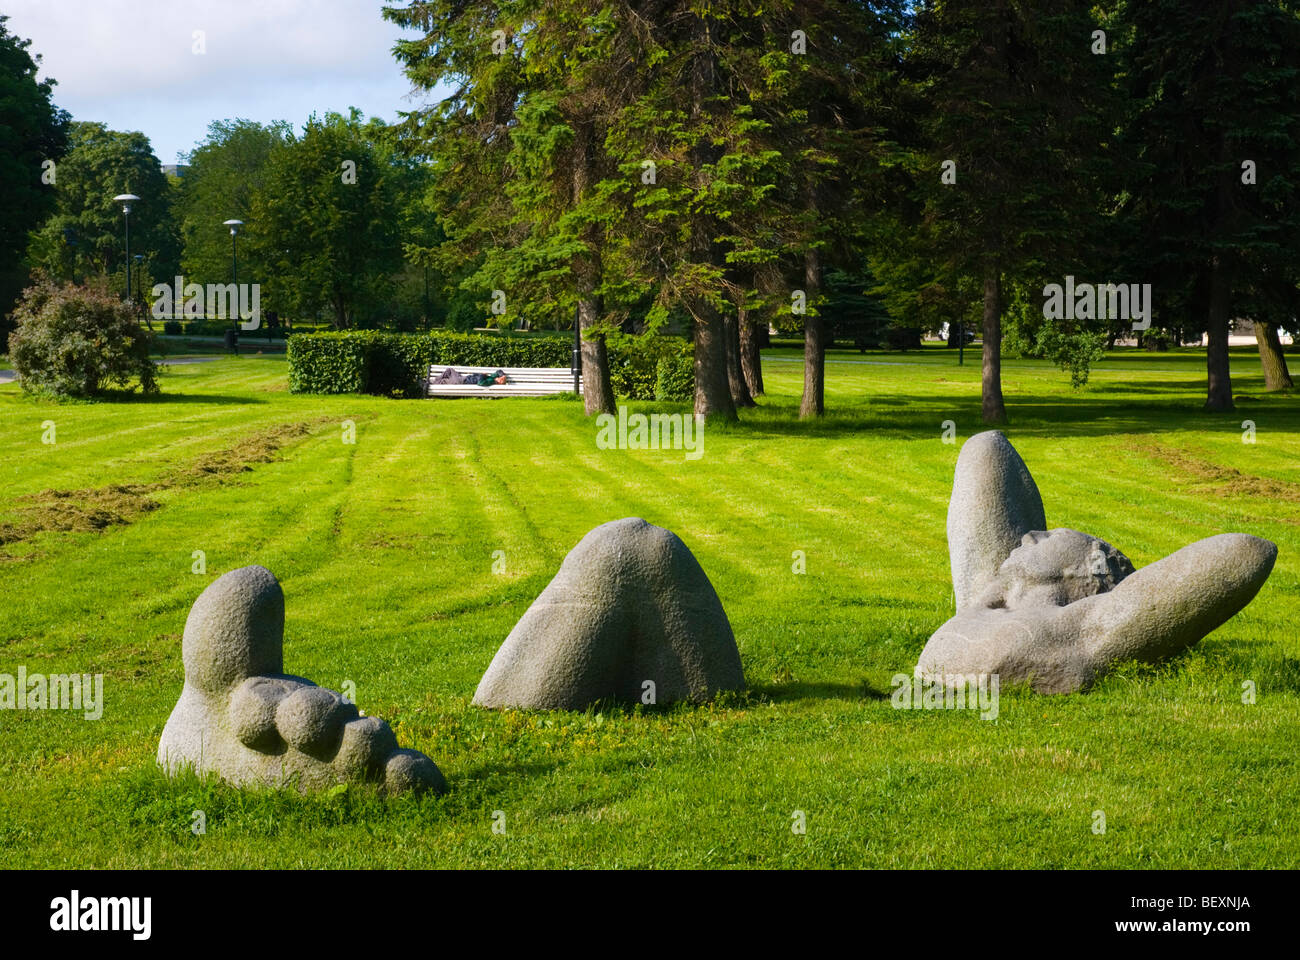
232	334
234	226
126	199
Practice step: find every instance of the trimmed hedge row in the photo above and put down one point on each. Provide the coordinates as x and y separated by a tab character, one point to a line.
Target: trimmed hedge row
397	364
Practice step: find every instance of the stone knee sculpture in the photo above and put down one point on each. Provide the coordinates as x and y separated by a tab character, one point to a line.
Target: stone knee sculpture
1055	608
241	717
630	616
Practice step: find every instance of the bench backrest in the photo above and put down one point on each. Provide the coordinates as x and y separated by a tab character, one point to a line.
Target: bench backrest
539	375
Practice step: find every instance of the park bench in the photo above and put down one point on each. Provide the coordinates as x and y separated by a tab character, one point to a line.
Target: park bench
520	382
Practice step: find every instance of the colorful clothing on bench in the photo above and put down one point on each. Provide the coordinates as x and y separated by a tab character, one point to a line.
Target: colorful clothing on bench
453	376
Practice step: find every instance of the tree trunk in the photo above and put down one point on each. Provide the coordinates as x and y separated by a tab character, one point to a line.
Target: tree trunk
1219	377
712	389
735	375
597	388
1271	358
992	406
751	358
813	402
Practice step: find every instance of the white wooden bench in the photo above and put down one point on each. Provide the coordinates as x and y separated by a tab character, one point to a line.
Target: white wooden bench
520	382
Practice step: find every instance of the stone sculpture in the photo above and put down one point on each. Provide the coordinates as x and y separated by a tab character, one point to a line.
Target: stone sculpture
1055	608
241	717
630	616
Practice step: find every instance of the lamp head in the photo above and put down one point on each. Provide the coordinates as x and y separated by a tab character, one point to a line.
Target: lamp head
234	225
126	199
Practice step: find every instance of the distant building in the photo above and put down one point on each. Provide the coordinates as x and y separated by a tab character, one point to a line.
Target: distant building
175	169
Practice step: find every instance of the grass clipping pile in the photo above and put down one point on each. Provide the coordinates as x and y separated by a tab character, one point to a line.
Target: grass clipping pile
97	508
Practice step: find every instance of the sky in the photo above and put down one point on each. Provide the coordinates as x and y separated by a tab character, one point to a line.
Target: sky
132	65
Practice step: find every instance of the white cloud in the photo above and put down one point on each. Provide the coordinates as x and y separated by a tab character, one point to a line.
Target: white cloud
130	63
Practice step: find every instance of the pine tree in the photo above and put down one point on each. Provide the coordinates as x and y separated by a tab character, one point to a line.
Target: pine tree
518	153
828	97
1011	177
1219	137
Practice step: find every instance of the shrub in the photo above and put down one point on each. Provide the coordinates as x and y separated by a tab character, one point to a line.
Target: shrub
172	328
675	377
74	341
651	367
903	338
397	364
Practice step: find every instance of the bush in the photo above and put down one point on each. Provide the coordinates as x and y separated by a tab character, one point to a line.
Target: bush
903	338
74	341
675	377
172	328
397	364
651	367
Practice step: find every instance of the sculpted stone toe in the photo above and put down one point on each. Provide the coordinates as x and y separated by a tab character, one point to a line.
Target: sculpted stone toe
312	719
241	717
409	770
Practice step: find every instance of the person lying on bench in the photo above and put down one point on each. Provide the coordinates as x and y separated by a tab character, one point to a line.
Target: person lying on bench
451	376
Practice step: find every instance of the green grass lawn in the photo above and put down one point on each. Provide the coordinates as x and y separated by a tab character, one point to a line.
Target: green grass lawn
385	550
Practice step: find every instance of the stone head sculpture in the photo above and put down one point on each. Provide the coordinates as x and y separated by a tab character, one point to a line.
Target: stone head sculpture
1055	608
240	716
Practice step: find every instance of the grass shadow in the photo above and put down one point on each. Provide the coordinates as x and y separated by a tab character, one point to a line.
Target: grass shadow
800	690
920	417
483	772
127	397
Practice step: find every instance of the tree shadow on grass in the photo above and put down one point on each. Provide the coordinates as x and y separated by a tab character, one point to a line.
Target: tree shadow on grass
127	397
799	690
922	417
484	771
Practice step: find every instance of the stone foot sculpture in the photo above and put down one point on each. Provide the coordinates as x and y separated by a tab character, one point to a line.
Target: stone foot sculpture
630	616
1056	608
241	717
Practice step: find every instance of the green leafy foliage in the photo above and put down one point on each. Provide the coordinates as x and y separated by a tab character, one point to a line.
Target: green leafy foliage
225	172
649	368
1073	345
328	219
73	341
86	234
33	131
675	377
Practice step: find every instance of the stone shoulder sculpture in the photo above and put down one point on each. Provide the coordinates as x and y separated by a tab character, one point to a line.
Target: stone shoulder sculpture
240	716
629	606
1055	608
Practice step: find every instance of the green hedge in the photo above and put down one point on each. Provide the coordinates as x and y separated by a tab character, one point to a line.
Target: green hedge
396	364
